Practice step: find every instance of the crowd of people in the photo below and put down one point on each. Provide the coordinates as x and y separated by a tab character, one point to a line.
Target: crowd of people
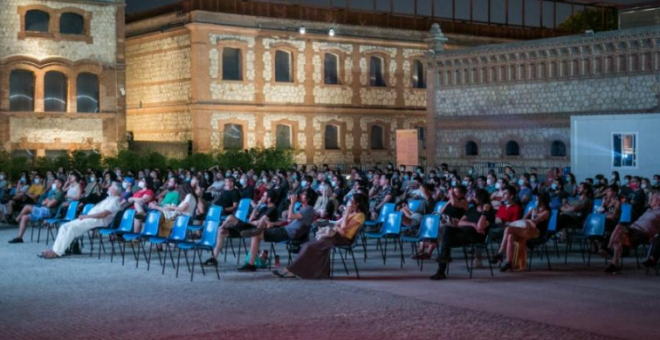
289	204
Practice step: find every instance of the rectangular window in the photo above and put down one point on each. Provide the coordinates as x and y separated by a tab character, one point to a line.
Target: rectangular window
231	64
331	69
624	150
376	72
283	67
331	137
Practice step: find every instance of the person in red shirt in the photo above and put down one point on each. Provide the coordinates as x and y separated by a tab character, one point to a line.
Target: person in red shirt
508	212
141	200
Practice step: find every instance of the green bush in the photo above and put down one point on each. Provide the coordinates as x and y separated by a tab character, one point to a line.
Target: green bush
255	158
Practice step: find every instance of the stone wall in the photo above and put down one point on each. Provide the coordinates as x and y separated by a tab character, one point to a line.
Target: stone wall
158	70
160	127
527	92
103	33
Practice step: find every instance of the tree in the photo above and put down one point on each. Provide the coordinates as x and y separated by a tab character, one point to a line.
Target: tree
589	19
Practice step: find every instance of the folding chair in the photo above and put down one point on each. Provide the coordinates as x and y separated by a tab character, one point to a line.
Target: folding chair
125	226
429	229
39	225
594	228
214	215
349	250
149	229
543	240
242	215
53	223
391	230
177	235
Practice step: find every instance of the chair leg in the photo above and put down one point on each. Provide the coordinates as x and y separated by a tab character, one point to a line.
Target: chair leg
217	271
344	263
490	266
401	252
192	272
165	256
238	258
178	259
199	254
332	264
467	264
385	253
357	273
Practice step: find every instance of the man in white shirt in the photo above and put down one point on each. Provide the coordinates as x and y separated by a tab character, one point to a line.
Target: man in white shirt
100	216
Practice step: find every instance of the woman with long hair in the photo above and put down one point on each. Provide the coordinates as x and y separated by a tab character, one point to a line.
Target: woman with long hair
534	224
171	212
325	205
313	262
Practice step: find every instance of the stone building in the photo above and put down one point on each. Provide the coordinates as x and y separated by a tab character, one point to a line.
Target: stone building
61	76
222	80
512	103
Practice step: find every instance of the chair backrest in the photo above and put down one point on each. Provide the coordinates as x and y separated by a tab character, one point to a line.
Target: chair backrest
71	211
209	234
414	205
529	208
214	213
150	227
429	228
626	213
552	224
392	224
439	206
597	203
87	208
385	210
296	207
126	224
594	225
180	229
243	209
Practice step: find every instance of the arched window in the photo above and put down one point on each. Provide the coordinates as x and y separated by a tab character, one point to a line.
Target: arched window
87	97
558	149
233	137
331	137
377	138
376	72
55	92
331	69
21	90
283	136
419	79
231	64
37	21
512	148
283	62
471	149
72	23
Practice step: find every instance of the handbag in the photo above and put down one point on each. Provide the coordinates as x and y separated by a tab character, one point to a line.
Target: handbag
325	232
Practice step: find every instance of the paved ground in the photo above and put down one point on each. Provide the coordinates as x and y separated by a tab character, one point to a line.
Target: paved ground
85	298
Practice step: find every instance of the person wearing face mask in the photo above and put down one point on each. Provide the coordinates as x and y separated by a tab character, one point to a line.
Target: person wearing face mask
92	192
508	211
571	185
126	185
490	184
625	186
100	216
246	190
636	197
572	213
141	199
383	195
524	190
647	188
33	213
656	182
534	184
30	196
306	182
558	196
497	197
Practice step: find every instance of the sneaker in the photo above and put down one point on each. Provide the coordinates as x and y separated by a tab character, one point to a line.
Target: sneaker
211	262
252	232
248	268
16	240
439	275
612	269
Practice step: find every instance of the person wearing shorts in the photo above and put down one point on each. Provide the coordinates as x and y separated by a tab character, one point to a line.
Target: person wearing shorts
266	212
35	213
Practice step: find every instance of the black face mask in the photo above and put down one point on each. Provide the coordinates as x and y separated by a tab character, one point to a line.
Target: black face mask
171	188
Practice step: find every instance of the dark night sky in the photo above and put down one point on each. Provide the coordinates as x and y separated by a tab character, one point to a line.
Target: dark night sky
443	8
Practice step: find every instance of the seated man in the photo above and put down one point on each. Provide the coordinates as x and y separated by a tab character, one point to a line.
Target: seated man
508	212
574	212
33	213
265	213
100	216
297	228
640	232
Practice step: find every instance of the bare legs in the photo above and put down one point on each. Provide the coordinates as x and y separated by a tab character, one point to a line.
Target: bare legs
23	219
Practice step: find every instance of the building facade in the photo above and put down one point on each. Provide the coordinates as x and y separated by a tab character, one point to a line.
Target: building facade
223	81
61	76
512	103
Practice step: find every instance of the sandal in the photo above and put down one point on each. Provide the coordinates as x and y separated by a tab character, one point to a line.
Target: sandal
283	276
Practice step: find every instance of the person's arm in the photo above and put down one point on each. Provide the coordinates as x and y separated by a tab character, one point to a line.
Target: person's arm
387	198
541	216
463	222
100	215
232	208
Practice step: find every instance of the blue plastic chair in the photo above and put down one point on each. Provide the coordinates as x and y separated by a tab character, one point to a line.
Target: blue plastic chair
597	203
414	205
207	242
439	206
243	209
385	210
87	208
39	225
297	207
594	228
391	230
125	226
626	213
149	229
214	214
177	235
429	230
54	223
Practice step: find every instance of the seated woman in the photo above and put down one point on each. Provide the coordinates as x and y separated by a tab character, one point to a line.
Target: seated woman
472	228
171	212
534	224
30	196
92	192
141	200
611	207
313	262
73	190
326	205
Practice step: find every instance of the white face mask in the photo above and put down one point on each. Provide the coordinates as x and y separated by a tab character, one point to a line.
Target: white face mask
36	181
243	181
303	184
2	177
489	181
498	186
53	187
124	185
141	185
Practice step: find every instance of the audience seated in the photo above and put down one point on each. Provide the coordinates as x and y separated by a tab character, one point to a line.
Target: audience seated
35	213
